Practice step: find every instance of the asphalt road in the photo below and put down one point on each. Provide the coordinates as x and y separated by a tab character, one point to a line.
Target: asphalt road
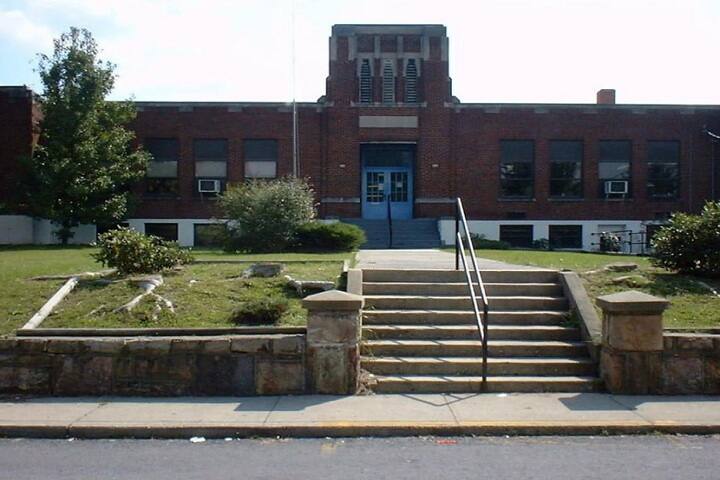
608	458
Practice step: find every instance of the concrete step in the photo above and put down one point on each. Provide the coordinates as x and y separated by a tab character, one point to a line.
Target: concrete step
460	317
535	366
399	302
464	348
469	332
456	288
458	276
472	384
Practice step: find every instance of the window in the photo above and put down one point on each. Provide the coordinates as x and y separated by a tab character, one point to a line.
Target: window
388	82
520	236
411	81
166	231
260	158
210	165
101	228
366	90
163	149
565	236
517	165
614	168
163	168
209	234
663	176
566	168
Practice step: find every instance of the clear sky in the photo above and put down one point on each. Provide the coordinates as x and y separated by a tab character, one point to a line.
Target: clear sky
650	51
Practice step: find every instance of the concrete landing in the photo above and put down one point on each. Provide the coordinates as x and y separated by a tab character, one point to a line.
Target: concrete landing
425	259
373	415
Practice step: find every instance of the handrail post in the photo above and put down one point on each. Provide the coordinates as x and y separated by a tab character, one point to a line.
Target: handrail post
457	230
390	226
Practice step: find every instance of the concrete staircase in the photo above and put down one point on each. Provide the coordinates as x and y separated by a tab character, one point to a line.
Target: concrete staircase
420	334
415	233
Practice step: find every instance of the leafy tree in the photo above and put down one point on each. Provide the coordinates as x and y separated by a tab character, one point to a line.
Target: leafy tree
82	170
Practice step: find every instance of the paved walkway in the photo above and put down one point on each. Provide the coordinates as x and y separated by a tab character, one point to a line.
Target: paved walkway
429	258
398	415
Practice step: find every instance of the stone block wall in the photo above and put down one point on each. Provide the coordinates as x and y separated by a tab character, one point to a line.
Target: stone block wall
165	366
690	363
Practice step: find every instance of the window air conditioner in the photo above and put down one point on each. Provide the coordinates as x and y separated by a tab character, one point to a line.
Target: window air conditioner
209	186
616	187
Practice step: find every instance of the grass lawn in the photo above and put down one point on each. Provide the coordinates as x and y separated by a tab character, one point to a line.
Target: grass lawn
691	304
207	301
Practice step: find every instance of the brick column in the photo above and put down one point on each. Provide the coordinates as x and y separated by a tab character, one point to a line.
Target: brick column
632	342
333	342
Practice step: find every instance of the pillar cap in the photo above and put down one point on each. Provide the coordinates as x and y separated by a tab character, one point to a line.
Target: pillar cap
632	301
333	300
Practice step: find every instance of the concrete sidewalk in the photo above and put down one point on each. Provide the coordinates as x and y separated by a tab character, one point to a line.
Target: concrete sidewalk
375	415
433	259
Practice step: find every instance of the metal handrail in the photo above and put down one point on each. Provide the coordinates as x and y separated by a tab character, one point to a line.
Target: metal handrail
482	322
390	225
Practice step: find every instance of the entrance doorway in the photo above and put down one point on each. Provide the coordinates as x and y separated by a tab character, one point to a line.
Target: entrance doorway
387	176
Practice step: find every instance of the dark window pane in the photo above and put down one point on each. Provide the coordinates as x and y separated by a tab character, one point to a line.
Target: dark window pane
517	188
161	186
520	236
517	150
210	150
614	165
209	235
664	152
163	149
615	151
261	150
663	180
566	168
387	155
566	151
566	188
166	231
517	168
565	236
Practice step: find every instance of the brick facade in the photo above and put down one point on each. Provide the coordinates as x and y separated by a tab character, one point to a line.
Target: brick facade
457	144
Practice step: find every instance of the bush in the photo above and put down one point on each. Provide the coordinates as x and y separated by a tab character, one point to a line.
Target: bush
133	252
541	244
266	215
610	242
690	243
260	311
329	236
481	242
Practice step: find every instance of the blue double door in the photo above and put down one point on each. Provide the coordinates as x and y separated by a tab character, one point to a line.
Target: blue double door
387	181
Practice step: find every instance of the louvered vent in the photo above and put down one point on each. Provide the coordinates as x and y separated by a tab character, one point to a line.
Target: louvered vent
411	81
388	83
365	82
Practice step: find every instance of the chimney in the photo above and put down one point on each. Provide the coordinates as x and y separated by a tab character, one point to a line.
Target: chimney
606	96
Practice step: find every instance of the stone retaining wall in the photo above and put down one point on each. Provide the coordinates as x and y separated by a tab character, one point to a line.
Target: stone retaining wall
690	363
228	365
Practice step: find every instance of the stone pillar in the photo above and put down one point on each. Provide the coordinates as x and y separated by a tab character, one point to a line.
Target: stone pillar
632	342
333	342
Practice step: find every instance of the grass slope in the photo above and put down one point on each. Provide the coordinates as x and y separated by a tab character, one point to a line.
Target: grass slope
201	306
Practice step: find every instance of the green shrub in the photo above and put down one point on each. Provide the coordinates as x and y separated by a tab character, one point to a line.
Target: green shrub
690	243
610	242
266	215
133	252
260	311
541	244
481	242
329	236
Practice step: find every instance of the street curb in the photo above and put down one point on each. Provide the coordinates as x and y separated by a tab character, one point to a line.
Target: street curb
350	429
